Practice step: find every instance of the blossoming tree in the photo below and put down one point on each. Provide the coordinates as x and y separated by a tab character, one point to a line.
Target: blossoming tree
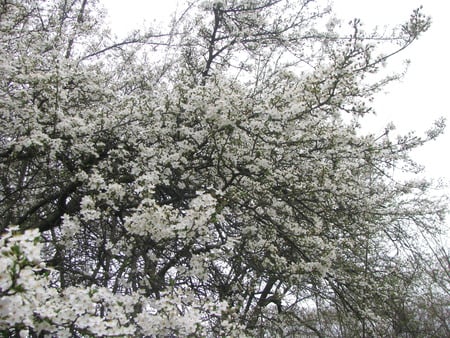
208	180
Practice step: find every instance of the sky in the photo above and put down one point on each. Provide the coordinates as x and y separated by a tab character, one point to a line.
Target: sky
412	104
421	97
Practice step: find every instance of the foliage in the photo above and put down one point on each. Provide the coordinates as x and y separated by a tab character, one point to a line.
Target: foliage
212	180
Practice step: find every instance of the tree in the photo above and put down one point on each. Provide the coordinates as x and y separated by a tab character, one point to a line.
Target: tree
212	180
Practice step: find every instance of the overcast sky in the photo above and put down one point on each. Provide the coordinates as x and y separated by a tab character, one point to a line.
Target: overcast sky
412	104
422	96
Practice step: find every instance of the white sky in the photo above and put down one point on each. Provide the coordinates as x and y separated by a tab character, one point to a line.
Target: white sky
422	96
412	104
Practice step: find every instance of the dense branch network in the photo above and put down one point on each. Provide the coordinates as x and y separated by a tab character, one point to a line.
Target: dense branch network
208	181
